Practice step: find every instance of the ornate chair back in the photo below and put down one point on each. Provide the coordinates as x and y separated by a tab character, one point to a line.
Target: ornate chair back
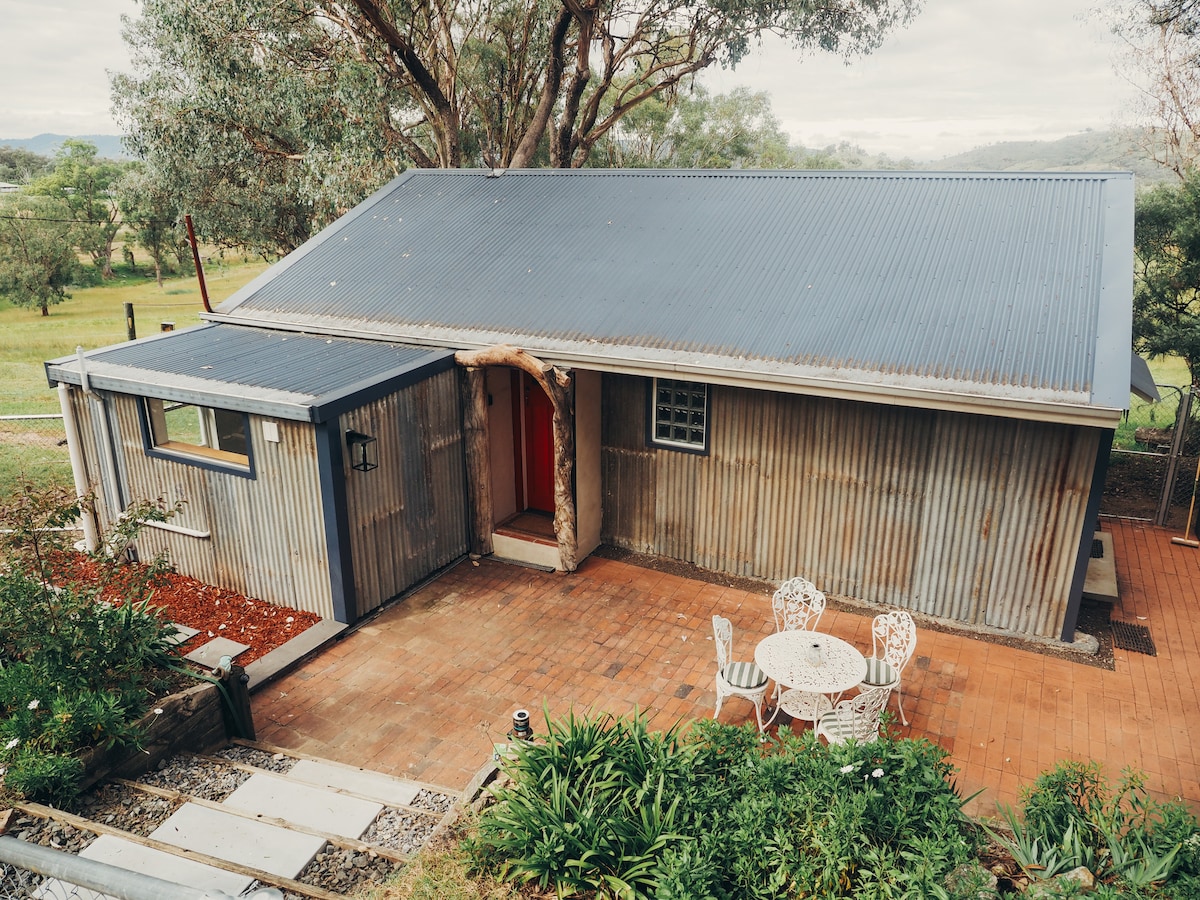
798	605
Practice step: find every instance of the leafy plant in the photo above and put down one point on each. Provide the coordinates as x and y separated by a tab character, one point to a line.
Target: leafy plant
82	653
713	812
1074	816
589	808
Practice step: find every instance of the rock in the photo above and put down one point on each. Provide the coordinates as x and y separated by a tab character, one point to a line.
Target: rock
972	879
1078	881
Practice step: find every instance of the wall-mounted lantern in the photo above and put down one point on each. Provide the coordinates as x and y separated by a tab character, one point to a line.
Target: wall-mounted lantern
364	453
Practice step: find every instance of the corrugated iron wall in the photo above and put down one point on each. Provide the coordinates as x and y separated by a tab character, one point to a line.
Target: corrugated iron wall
267	538
408	517
966	517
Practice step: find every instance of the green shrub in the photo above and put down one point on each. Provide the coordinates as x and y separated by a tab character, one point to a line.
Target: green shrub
604	805
75	671
1074	816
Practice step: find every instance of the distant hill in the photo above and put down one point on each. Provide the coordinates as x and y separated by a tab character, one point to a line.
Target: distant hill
1091	151
108	146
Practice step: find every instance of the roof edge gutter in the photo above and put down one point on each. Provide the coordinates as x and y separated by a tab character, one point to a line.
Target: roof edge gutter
889	394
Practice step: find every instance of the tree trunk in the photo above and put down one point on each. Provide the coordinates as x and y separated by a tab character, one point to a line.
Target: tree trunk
473	389
560	388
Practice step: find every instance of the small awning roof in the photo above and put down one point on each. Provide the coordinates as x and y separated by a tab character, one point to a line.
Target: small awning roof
282	374
1141	381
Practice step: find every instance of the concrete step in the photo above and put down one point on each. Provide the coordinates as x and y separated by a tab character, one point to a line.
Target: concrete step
377	786
314	804
258	845
124	854
305	805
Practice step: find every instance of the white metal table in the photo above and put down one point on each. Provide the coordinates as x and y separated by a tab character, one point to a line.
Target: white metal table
812	665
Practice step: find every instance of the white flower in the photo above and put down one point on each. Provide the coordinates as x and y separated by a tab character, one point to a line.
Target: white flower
846	770
33	704
878	773
12	743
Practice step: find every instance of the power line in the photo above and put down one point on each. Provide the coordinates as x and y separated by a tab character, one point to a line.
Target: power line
86	222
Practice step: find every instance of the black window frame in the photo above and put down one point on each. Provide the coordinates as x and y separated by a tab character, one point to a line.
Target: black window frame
195	454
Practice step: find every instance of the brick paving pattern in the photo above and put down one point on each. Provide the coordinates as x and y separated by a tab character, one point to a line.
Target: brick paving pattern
425	688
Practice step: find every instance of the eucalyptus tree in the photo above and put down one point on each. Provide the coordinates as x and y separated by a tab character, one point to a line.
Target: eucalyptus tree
702	131
37	252
83	183
152	217
20	166
281	114
1162	58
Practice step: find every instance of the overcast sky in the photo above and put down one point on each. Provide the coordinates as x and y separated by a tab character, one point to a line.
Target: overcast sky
964	74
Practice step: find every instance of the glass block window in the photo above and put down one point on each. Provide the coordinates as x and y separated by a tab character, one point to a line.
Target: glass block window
679	417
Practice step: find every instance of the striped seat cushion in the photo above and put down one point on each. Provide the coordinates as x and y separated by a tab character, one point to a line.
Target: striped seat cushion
745	675
838	730
879	673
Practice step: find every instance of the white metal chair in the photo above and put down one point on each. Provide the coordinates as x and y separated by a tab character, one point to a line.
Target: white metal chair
854	719
797	605
894	638
736	679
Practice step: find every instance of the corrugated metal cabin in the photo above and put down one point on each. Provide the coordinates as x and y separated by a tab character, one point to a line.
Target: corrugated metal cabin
902	385
256	431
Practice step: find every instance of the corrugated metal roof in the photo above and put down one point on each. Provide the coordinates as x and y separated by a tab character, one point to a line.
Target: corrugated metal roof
1014	287
281	373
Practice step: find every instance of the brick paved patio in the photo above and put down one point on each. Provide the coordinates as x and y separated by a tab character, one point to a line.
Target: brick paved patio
425	688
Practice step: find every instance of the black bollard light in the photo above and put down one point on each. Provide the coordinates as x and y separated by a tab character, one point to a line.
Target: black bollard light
521	730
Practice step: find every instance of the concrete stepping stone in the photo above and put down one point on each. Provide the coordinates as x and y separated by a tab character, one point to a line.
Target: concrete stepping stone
376	785
133	857
238	840
304	805
182	633
208	655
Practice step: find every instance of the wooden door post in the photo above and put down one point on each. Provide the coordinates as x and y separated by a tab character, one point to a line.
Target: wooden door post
560	388
473	387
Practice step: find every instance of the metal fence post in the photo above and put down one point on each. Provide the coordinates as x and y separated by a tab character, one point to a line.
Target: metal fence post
1182	418
98	876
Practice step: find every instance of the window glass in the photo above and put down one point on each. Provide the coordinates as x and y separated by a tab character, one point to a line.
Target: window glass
218	435
680	413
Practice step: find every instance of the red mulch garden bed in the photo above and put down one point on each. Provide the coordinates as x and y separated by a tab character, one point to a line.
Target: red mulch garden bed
216	612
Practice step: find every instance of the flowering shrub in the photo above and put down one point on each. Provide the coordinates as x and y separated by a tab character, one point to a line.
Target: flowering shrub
74	672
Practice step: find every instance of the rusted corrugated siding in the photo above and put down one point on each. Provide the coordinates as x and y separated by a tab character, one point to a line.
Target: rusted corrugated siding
967	517
407	517
267	534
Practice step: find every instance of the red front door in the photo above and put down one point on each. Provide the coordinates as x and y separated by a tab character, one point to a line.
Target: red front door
539	447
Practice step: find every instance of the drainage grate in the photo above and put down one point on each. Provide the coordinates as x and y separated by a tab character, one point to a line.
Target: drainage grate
1137	638
1097	549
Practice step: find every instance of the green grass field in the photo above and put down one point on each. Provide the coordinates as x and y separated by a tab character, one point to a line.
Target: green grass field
92	317
95	317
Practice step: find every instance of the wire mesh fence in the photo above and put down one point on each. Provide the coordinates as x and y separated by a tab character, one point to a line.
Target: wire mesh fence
18	884
33	448
1154	452
1148	426
29	871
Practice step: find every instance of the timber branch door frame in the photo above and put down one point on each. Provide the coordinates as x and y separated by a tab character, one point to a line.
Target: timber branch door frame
533	438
